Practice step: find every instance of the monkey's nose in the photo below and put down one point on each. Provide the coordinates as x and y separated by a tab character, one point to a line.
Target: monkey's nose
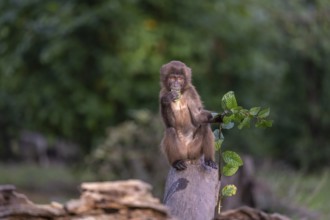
176	87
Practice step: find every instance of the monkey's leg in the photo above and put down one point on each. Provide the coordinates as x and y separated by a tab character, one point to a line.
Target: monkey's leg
195	149
174	149
208	147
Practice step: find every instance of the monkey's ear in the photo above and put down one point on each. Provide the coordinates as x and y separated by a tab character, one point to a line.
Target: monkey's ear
187	70
163	73
187	73
163	70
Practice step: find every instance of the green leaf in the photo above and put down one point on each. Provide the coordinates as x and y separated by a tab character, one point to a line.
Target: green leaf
254	111
229	190
229	101
243	113
245	123
263	123
218	144
268	123
264	113
232	158
228	119
236	109
239	115
218	139
223	104
228	125
229	170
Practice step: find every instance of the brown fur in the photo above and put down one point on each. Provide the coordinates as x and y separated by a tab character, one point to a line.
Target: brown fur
188	135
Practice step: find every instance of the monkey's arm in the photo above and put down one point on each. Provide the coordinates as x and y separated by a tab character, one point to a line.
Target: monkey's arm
205	116
197	113
199	116
166	110
167	116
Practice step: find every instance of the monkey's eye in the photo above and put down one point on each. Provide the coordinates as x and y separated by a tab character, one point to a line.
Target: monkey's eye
171	78
180	79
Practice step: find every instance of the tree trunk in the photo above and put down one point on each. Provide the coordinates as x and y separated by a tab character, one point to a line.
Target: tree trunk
192	194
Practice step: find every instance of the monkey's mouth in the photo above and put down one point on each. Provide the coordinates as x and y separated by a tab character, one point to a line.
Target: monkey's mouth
178	91
176	88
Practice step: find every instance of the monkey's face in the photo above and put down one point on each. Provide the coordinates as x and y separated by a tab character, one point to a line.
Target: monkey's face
175	75
175	82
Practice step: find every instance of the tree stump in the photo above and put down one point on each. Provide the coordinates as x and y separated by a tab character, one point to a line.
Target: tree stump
192	194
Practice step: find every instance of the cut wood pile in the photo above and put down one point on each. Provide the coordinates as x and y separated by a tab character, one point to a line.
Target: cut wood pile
118	200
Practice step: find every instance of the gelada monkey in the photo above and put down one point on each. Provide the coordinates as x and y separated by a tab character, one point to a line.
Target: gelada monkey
188	135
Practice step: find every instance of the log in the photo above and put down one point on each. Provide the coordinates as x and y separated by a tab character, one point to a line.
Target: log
247	213
116	200
192	194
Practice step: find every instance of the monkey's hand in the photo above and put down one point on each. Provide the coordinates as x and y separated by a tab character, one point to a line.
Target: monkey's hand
179	165
217	118
170	97
211	163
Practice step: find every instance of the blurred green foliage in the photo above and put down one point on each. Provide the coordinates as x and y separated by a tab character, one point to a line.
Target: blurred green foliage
73	68
296	194
130	150
41	185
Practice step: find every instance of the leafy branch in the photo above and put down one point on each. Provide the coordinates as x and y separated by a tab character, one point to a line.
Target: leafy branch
232	115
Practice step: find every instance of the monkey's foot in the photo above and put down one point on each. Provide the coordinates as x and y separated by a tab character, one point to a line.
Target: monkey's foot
179	165
211	163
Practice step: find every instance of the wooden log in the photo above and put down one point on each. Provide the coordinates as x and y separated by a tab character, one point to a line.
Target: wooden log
247	213
116	200
192	193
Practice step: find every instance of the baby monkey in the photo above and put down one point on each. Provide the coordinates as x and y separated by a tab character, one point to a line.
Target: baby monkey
188	135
